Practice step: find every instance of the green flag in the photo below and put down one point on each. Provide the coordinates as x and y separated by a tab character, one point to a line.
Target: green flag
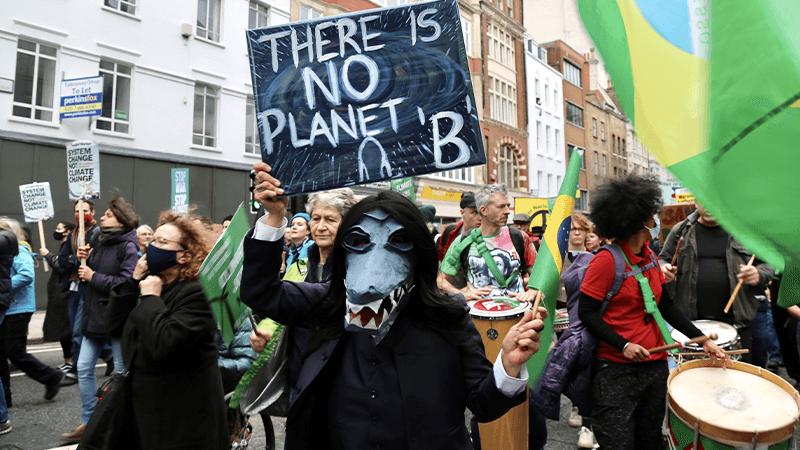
546	271
221	276
723	117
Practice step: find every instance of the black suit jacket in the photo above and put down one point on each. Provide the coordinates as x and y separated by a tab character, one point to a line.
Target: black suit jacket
437	379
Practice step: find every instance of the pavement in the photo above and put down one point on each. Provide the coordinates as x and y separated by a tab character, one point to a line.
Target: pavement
38	423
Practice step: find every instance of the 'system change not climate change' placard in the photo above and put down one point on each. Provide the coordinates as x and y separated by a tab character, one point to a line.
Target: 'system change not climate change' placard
365	97
83	170
37	203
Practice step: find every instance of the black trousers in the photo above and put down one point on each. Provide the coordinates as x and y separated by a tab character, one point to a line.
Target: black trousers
13	347
629	404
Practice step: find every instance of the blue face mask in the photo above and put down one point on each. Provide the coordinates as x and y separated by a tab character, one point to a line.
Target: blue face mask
379	272
159	260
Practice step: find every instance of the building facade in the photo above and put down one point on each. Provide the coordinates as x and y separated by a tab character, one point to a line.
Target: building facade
546	153
569	62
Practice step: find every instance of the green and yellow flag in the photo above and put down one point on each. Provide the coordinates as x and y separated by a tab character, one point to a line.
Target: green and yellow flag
546	271
718	105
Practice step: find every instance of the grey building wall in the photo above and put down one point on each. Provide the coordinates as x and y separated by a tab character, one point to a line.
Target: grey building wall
143	178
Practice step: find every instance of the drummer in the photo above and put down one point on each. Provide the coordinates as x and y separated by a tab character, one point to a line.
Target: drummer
629	384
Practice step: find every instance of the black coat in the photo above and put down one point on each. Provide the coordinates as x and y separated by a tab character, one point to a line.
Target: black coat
175	382
8	250
56	320
437	379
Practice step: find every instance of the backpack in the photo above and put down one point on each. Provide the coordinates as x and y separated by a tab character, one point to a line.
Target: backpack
447	237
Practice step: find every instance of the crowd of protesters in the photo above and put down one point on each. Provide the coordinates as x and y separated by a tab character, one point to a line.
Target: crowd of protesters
129	295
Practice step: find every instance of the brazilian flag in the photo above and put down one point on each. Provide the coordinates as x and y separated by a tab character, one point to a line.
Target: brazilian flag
546	271
714	94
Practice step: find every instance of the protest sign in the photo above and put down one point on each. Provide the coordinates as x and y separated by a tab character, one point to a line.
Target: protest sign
81	97
221	276
83	170
180	191
37	205
531	206
405	186
364	97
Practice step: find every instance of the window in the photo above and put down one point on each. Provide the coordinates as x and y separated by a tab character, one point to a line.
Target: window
539	138
500	46
466	28
34	82
605	173
574	115
308	13
550	186
557	145
555	100
558	182
540	181
390	2
536	90
582	202
208	12
126	6
602	131
572	73
116	97
570	149
547	139
619	147
594	127
613	143
546	95
251	141
258	15
463	174
502	102
507	169
205	116
596	163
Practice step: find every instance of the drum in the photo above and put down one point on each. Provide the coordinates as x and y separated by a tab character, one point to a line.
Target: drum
493	317
727	337
561	321
741	407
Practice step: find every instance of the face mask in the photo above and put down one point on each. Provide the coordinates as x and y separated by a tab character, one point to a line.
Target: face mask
86	218
655	230
379	273
58	236
159	260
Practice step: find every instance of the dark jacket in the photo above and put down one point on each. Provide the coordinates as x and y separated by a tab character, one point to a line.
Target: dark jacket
56	320
437	380
67	259
684	287
113	262
8	250
175	383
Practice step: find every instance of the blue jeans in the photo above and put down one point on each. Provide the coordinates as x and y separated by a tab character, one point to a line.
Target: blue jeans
765	340
3	406
87	378
75	310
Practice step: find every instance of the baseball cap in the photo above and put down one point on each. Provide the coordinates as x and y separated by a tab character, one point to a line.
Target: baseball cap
467	200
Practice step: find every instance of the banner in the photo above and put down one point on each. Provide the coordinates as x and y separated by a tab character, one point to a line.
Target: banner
81	97
364	97
405	186
83	170
221	276
531	206
180	191
37	203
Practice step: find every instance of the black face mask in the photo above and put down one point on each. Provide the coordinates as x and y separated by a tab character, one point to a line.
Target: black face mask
58	236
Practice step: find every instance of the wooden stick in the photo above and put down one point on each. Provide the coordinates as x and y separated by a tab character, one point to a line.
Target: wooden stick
677	249
81	232
727	352
252	321
41	241
738	286
536	300
697	340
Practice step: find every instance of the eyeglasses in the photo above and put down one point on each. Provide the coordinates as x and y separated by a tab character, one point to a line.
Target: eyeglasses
160	242
585	230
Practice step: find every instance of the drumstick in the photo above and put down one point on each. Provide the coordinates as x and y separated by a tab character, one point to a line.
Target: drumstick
697	340
727	352
252	321
536	300
738	286
677	249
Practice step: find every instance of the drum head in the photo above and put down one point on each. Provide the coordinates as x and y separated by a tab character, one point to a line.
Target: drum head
497	308
730	403
726	334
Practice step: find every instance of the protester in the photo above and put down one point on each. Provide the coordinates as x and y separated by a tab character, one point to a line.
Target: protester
145	234
470	219
522	222
72	285
536	236
381	253
9	248
629	387
429	213
167	329
14	328
710	264
299	236
56	327
108	264
226	221
594	240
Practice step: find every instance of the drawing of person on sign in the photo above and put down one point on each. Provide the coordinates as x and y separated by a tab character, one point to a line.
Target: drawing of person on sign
365	97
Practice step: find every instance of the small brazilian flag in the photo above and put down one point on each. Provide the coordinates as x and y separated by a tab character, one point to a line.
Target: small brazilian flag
546	271
714	94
